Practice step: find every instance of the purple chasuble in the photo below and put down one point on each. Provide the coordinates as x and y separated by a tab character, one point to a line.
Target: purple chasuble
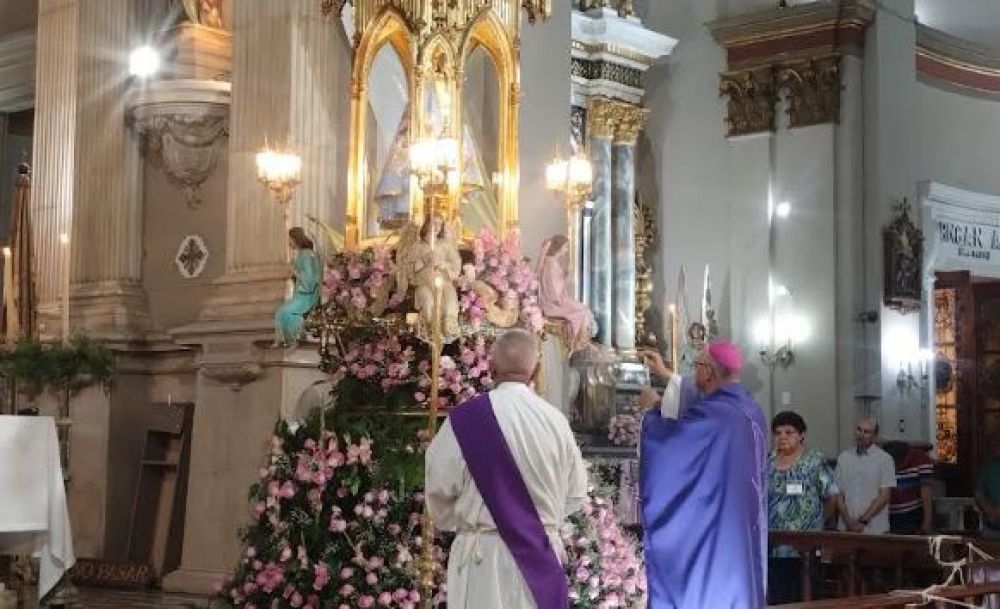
703	496
506	496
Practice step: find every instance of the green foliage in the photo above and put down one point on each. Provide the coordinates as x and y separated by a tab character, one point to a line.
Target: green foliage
35	367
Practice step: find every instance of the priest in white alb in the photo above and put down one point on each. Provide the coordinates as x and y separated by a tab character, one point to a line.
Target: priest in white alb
504	473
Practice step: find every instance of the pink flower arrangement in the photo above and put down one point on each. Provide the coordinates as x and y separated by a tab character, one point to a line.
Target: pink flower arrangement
355	278
461	376
624	426
499	263
603	561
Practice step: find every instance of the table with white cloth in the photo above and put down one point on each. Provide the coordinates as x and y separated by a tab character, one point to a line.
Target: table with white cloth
34	518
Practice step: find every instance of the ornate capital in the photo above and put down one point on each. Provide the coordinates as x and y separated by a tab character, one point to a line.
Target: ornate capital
186	147
751	105
812	88
631	120
609	118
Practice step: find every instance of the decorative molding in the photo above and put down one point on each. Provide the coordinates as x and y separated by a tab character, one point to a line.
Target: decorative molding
623	8
631	120
752	96
957	64
235	375
610	54
17	65
605	70
796	49
187	147
192	257
645	237
780	35
812	88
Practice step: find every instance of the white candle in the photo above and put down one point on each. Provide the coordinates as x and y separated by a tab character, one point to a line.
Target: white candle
8	293
64	242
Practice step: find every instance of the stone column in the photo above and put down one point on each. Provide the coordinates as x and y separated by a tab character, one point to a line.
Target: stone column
53	151
107	294
288	88
600	130
630	120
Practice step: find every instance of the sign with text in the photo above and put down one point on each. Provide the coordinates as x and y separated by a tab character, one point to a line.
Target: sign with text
106	574
963	231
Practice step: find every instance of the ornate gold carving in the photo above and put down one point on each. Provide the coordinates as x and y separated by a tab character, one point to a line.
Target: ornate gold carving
812	88
752	96
645	236
611	118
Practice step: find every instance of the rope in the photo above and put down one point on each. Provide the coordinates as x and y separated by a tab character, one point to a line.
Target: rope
927	595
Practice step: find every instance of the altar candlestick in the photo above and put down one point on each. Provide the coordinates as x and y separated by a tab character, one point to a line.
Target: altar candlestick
674	347
8	294
64	242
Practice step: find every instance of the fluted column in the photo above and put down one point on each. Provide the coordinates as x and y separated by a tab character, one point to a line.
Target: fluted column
629	121
53	150
108	297
287	90
600	129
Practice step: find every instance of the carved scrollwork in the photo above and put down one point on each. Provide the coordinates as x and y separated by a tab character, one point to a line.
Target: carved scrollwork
186	147
645	236
751	104
812	88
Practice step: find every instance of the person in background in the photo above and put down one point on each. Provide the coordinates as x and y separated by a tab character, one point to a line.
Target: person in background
800	486
911	502
866	476
988	494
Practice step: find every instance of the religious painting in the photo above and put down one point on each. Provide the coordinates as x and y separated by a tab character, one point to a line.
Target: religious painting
903	245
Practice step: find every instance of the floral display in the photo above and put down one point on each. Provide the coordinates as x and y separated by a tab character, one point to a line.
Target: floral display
335	524
499	264
624	426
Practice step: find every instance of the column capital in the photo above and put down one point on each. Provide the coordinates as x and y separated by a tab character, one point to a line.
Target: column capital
610	118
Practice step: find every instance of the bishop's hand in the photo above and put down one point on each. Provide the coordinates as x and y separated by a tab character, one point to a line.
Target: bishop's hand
647	398
654	361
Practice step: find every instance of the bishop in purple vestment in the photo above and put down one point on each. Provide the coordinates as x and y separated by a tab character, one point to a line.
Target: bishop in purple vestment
702	488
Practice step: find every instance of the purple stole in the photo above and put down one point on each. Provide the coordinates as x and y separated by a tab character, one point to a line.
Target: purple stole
498	480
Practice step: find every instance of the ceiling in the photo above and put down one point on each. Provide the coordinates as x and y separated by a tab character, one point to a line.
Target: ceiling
976	20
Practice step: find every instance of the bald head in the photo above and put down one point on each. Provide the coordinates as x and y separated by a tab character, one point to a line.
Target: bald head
515	356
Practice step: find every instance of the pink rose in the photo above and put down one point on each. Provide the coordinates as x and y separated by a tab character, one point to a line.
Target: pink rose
366	601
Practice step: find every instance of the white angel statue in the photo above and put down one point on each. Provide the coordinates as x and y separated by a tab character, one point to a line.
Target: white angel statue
418	264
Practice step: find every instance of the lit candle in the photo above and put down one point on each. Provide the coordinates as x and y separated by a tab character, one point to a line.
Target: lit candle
674	347
8	294
64	242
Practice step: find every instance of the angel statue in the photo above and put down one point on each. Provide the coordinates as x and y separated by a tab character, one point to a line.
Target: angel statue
307	273
554	297
419	264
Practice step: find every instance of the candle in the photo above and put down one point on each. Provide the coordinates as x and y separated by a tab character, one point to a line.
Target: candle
64	242
8	293
673	337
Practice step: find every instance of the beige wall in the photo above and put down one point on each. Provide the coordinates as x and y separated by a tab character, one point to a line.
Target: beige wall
174	300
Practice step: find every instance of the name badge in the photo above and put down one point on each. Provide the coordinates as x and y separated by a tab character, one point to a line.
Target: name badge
794	488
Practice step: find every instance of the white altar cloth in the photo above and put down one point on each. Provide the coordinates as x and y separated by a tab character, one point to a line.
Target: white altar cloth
34	518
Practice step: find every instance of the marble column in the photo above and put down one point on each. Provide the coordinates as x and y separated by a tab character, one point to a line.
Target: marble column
600	130
107	294
53	151
624	246
289	88
629	122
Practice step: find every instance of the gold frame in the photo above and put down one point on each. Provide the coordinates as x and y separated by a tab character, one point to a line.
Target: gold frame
495	27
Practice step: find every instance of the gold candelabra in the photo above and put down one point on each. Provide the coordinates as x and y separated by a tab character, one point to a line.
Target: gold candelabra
434	163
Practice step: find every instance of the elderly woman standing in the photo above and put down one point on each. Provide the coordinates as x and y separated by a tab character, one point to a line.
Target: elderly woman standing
800	486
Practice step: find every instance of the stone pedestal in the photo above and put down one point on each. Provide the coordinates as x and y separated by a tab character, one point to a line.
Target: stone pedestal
241	386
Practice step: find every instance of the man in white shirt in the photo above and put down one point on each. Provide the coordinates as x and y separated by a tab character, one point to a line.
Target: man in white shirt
866	476
504	472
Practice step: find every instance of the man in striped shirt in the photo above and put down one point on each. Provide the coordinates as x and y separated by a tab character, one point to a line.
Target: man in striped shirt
910	503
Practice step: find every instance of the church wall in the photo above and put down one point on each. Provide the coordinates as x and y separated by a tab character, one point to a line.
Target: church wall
544	125
713	208
173	299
